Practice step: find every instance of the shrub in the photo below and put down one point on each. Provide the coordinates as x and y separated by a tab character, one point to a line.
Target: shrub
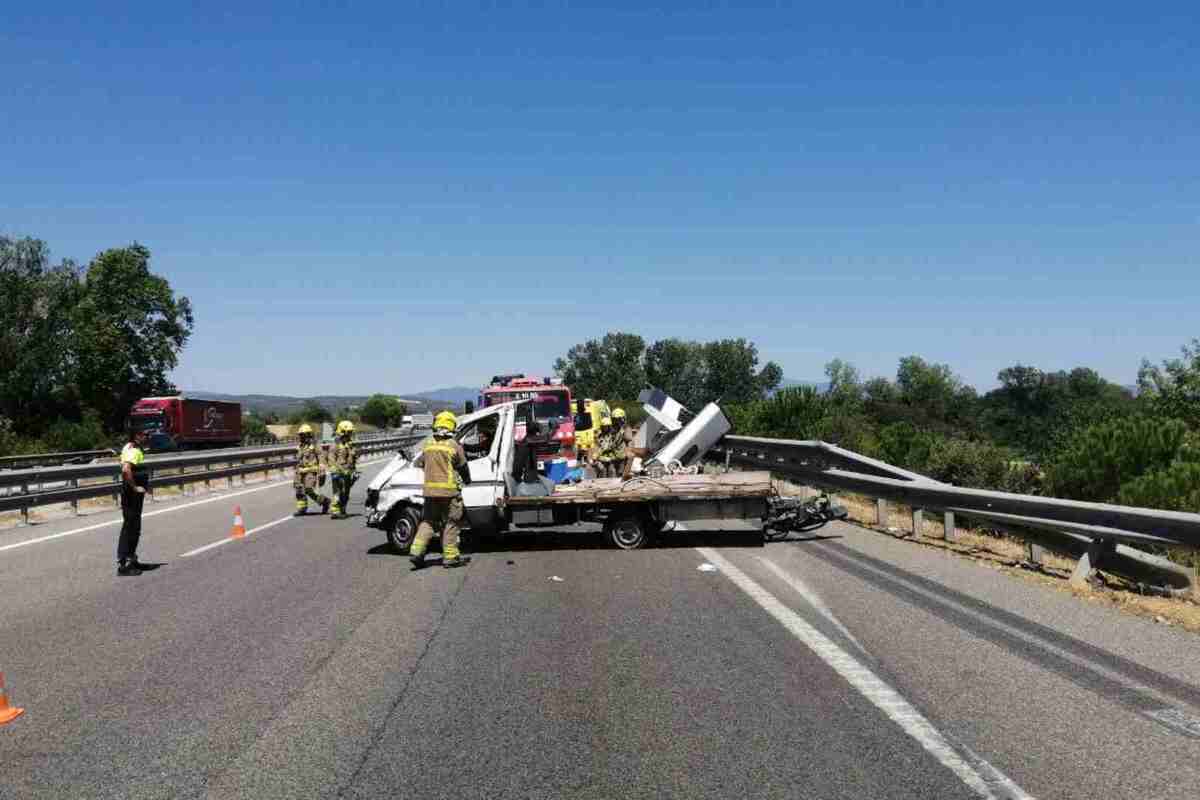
87	434
1099	459
962	462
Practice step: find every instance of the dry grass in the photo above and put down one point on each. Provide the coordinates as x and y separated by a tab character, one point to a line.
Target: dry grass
1009	554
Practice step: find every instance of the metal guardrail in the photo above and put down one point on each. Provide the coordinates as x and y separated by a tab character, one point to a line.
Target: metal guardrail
84	456
52	459
39	486
1100	530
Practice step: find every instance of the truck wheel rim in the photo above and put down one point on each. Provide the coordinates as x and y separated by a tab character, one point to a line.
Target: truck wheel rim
627	533
404	529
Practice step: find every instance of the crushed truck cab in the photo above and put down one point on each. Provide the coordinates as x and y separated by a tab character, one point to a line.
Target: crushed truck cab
506	493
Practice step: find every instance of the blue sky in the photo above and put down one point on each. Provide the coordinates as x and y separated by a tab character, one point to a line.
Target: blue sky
392	197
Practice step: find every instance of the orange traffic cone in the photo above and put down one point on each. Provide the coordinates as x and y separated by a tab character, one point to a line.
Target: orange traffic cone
239	527
7	713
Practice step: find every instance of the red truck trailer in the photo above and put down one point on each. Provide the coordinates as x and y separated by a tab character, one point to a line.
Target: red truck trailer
184	423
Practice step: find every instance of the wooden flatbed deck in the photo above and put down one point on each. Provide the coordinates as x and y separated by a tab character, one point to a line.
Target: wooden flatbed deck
641	488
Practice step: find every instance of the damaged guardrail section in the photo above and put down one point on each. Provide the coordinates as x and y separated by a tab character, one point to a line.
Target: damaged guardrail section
24	489
1098	534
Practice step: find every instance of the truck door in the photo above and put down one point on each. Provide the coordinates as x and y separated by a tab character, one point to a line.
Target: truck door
481	439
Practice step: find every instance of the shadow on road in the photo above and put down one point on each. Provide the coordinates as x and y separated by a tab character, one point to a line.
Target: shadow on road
525	541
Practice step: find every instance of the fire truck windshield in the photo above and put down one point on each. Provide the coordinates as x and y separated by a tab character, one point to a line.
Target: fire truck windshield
546	404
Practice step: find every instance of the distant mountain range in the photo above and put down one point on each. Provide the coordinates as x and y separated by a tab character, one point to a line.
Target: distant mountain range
451	396
285	404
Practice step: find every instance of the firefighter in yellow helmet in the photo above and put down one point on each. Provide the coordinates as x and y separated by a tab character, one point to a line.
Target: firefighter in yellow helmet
310	473
602	455
445	466
343	459
622	440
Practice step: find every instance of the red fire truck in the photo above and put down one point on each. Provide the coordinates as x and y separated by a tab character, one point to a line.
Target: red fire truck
183	423
550	409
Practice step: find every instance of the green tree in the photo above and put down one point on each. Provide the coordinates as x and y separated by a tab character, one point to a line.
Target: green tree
845	385
1173	389
383	411
128	331
1100	460
732	375
611	368
254	429
678	368
311	412
36	302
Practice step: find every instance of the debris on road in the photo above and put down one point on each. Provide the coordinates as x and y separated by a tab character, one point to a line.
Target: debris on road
706	567
555	578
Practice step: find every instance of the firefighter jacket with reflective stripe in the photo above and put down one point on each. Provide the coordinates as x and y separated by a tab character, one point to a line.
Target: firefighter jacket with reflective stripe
308	459
343	458
441	459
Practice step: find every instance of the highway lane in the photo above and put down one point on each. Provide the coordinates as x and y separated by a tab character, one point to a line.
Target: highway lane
308	661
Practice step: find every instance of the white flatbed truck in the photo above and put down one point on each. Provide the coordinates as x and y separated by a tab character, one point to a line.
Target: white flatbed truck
631	511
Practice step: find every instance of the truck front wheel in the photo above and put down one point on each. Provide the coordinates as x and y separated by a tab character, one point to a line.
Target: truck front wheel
403	527
627	532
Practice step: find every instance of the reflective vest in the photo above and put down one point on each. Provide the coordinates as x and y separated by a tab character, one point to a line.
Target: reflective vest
440	458
132	455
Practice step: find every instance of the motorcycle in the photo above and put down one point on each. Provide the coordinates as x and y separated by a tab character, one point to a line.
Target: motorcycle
794	514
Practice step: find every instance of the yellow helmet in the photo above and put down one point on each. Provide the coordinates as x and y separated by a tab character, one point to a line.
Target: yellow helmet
305	429
618	413
606	422
445	421
345	426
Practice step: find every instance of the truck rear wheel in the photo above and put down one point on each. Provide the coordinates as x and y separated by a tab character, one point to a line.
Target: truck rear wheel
626	532
403	528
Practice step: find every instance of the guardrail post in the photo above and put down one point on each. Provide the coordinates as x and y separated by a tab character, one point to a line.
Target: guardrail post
74	483
1035	553
150	493
881	512
208	481
918	521
25	508
1089	563
728	457
948	523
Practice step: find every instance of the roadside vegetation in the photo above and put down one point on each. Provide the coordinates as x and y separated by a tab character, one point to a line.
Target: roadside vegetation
1067	433
79	344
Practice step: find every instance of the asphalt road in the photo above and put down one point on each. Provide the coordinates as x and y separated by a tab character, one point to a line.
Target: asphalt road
307	661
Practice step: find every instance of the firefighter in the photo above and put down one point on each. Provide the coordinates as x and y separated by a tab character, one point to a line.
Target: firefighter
621	440
310	473
343	459
601	453
445	466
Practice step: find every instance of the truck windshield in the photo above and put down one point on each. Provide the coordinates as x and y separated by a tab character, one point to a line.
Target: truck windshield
546	404
146	422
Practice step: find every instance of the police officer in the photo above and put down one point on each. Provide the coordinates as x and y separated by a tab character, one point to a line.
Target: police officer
343	459
445	466
310	473
134	483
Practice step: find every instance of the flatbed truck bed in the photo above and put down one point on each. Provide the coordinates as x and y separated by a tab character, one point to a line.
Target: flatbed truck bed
633	509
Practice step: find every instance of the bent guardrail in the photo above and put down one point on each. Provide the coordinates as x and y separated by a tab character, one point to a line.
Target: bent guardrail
1101	531
29	488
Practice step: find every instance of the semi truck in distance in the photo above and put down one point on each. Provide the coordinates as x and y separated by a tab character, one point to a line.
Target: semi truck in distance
184	423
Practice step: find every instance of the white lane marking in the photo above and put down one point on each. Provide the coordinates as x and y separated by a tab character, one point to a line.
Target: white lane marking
213	499
996	785
229	539
812	598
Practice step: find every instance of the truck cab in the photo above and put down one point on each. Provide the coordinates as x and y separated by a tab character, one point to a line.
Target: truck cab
394	497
